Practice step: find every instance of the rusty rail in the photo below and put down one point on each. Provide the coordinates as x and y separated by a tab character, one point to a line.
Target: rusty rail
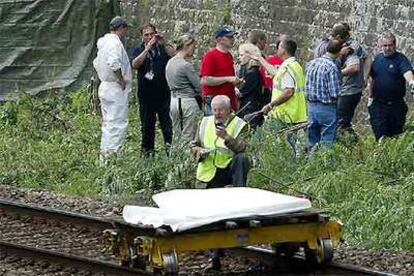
266	255
68	260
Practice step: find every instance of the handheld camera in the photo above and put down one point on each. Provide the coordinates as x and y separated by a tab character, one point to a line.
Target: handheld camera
220	125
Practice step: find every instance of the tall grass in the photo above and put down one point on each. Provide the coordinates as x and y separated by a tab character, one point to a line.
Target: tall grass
53	143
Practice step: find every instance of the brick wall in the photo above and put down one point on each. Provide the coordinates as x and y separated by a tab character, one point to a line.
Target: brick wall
306	20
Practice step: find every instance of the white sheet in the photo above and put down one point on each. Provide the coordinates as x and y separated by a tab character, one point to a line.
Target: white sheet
187	209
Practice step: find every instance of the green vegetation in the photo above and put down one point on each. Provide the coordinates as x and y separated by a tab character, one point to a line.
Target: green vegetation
53	143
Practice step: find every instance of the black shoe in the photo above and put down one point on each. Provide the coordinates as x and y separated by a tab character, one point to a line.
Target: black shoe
214	264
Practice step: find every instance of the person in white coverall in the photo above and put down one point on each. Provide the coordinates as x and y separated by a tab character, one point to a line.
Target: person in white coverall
114	71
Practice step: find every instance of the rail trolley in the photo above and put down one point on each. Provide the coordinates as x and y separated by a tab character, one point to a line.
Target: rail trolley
157	246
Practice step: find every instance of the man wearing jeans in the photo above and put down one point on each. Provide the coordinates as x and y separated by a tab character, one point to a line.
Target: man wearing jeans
323	83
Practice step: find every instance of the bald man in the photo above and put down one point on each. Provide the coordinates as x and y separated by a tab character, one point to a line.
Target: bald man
220	147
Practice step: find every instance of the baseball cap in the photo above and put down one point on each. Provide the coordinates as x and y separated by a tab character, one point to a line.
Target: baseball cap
224	31
117	22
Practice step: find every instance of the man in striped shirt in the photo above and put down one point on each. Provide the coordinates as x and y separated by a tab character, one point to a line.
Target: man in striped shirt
323	83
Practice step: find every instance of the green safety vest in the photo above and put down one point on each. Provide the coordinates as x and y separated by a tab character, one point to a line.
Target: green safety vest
220	156
293	110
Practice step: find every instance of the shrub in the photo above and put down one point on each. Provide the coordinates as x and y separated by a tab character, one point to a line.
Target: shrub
53	143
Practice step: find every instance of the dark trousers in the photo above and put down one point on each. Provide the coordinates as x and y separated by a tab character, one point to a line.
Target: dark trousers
387	118
235	174
148	112
346	109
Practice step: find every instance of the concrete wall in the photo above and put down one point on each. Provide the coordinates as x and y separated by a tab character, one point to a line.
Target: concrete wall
306	20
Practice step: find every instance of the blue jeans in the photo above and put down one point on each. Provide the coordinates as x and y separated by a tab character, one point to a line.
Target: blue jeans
322	124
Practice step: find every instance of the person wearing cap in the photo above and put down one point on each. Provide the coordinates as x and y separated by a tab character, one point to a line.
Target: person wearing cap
150	60
114	71
218	76
387	88
185	87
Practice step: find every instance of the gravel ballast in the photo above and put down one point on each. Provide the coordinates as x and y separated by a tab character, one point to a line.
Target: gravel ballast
400	263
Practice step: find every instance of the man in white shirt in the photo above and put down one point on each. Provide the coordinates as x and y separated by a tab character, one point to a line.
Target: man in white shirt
114	71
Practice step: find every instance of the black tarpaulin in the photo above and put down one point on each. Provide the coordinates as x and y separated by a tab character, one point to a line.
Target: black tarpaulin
49	44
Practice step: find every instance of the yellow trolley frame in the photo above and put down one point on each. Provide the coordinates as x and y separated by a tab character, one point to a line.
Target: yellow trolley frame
157	249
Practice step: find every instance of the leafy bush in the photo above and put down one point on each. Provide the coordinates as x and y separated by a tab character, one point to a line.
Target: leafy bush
369	186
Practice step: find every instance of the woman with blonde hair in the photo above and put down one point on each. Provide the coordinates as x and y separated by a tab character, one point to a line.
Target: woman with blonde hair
250	92
185	88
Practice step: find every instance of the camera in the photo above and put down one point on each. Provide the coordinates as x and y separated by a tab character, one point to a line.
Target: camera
219	125
158	37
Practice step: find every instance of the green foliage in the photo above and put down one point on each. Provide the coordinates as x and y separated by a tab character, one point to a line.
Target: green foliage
369	186
53	143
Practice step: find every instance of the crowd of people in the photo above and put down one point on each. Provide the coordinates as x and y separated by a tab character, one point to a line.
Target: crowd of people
323	95
235	99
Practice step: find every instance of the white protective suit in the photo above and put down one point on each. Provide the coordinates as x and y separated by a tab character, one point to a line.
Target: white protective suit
114	101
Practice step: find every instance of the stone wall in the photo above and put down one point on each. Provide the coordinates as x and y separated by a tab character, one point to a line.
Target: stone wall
306	20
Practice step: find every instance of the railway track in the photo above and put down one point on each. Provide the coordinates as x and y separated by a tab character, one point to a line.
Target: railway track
84	264
298	265
292	266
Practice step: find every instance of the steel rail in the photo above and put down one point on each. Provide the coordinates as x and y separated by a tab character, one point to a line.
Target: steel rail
68	260
268	256
100	223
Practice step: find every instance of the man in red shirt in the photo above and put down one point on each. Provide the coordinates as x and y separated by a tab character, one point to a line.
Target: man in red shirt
217	72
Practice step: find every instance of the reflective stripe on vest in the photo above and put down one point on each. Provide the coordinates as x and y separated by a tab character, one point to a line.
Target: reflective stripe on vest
293	110
219	155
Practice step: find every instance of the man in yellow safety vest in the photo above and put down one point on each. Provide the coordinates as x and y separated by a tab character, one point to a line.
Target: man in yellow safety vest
288	104
220	147
288	96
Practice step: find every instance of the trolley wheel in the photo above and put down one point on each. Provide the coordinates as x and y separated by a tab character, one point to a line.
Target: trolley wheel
322	255
170	263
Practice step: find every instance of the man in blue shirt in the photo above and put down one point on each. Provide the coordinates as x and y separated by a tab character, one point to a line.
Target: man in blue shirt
323	83
387	108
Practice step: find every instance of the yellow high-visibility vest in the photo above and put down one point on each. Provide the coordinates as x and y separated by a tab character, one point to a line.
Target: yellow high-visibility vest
220	156
293	110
